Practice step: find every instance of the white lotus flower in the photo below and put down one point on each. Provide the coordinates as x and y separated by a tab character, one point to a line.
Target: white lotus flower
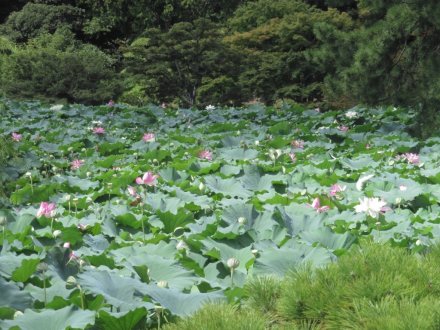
351	114
362	180
371	206
210	107
56	107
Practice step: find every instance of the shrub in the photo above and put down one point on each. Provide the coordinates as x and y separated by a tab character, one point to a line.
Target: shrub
56	66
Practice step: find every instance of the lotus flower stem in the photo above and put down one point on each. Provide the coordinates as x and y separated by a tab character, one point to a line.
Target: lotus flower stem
81	294
44	289
232	277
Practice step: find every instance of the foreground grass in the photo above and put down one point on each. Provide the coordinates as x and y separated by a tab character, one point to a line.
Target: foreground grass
372	287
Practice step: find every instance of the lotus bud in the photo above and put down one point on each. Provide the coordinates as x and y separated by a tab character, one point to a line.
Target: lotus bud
418	242
283	169
233	263
28	174
56	233
54	168
162	284
398	200
254	252
238	133
257	143
202	186
242	220
70	149
66	245
75	200
71	282
82	263
3	221
88	174
181	245
67	197
83	149
17	314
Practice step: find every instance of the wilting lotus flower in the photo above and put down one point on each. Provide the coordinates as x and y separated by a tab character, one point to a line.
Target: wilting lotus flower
292	157
148	178
297	144
335	189
46	209
343	128
76	164
411	158
371	206
317	206
205	154
149	137
16	137
99	130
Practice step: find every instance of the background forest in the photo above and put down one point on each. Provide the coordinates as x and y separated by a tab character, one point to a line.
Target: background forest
329	53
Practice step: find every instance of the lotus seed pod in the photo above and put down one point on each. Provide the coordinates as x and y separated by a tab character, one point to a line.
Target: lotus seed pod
42	267
56	233
181	245
3	221
233	263
17	314
71	282
242	220
162	284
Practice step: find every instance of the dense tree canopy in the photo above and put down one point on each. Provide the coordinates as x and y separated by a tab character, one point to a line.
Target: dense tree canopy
196	52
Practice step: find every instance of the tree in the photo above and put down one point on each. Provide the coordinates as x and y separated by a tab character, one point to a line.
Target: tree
393	58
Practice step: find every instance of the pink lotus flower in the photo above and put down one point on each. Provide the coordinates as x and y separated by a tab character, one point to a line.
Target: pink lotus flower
148	178
343	128
76	164
411	158
335	189
46	209
132	191
149	137
110	103
292	157
73	256
99	130
16	137
66	245
317	206
403	187
297	144
205	154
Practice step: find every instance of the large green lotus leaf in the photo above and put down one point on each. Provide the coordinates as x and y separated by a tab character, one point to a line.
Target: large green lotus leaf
58	289
359	163
182	304
10	262
299	218
75	182
228	169
171	175
35	194
59	265
328	239
228	187
237	154
117	290
254	180
433	174
95	245
67	317
231	141
26	269
234	212
11	296
201	201
122	320
162	249
223	252
21	223
274	261
160	268
164	203
169	222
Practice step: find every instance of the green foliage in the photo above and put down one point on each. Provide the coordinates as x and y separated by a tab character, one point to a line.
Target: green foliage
390	59
274	38
371	287
56	66
176	63
35	19
220	317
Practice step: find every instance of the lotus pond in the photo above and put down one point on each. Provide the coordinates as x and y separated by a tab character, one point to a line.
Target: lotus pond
115	217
